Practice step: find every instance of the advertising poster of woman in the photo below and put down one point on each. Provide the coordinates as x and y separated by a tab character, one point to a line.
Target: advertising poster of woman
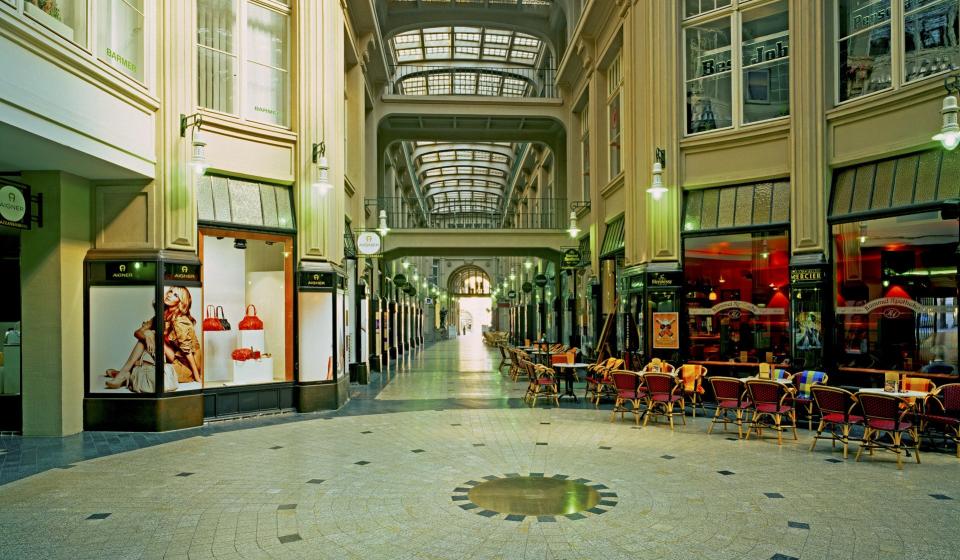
181	339
122	338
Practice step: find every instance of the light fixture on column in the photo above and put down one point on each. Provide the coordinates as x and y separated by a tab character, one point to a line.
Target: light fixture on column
657	189
765	253
513	274
528	264
321	184
863	233
949	135
382	225
416	277
198	158
405	263
573	230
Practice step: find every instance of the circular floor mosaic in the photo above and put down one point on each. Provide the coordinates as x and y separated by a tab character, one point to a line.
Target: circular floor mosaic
545	497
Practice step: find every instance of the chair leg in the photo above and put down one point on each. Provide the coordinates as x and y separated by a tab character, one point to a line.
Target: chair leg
916	445
865	444
846	439
683	406
714	421
793	417
897	449
669	408
815	437
809	419
739	424
776	423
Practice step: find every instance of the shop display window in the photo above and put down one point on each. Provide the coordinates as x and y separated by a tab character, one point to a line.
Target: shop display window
120	40
247	319
67	18
808	330
897	293
738	296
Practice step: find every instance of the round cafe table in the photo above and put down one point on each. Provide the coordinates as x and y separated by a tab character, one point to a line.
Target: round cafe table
568	373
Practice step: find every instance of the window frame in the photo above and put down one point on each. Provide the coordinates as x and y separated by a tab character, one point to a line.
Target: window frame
241	55
614	92
898	69
584	117
734	15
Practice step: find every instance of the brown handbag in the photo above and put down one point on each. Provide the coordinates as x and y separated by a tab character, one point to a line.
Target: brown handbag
222	317
251	322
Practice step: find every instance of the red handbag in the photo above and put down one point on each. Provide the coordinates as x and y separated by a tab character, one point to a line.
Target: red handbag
251	322
244	354
210	321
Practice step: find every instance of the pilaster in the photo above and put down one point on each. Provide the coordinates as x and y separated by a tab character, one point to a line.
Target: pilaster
177	72
320	90
808	173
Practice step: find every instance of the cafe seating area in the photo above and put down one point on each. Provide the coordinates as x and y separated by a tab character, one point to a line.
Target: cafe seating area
898	418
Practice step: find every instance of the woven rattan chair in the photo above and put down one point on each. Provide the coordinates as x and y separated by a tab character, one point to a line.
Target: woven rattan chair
839	411
692	376
730	396
942	409
664	392
771	401
891	415
629	388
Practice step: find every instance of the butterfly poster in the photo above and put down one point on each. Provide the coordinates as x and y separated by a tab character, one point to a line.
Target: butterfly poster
666	330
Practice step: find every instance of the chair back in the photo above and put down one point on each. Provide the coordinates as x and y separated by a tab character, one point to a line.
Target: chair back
877	406
692	376
833	400
625	380
763	371
763	391
780	373
658	365
528	367
726	388
917	384
949	395
659	383
561	359
806	379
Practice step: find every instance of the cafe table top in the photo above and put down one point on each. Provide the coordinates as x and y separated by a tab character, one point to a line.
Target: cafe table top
572	366
719	363
901	394
780	381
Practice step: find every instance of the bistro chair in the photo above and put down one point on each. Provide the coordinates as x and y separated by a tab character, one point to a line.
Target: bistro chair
942	408
773	401
504	358
516	367
887	414
664	391
782	374
658	366
730	396
920	384
598	379
837	407
629	388
803	381
543	383
692	376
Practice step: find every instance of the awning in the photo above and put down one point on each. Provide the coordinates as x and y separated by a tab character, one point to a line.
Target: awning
226	201
613	239
349	242
735	206
917	179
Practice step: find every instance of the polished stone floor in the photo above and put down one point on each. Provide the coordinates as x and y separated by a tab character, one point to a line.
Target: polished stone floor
395	475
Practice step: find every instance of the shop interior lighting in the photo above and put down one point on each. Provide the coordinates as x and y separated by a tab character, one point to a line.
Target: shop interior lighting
863	233
198	158
949	135
657	189
321	184
712	296
513	274
382	225
722	281
765	254
528	264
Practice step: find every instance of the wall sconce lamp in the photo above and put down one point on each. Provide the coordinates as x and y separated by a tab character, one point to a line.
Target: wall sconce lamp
949	135
657	189
573	230
528	264
382	226
321	184
198	160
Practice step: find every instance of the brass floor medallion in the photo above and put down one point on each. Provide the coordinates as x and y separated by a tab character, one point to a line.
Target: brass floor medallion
536	495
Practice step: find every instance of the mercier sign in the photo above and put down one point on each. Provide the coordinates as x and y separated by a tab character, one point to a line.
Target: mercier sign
15	206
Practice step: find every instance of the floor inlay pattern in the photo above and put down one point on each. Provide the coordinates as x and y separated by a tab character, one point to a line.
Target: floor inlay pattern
536	495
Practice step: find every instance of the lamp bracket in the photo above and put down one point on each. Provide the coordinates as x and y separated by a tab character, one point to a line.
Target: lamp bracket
319	150
952	84
661	156
579	205
188	121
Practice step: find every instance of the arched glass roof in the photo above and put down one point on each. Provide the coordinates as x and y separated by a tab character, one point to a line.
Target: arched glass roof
481	44
464	81
463	177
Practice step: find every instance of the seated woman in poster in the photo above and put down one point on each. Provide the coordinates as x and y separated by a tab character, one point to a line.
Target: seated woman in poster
181	347
141	354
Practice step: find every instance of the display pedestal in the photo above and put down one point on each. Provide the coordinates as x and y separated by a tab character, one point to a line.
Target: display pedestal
143	414
323	396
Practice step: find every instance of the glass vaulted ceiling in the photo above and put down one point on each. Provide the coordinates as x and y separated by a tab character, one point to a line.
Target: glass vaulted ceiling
463	177
457	60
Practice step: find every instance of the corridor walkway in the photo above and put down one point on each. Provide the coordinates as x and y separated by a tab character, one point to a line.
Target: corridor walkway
398	473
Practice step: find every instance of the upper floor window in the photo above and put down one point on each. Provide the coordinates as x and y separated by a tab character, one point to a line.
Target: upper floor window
585	151
736	49
867	56
614	110
243	55
117	37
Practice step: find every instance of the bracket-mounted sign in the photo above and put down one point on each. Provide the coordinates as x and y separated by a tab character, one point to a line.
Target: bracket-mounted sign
369	243
16	206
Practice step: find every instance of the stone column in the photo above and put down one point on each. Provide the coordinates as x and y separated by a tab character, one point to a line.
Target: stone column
51	279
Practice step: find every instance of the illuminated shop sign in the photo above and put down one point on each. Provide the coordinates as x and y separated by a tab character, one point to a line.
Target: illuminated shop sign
181	272
806	275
